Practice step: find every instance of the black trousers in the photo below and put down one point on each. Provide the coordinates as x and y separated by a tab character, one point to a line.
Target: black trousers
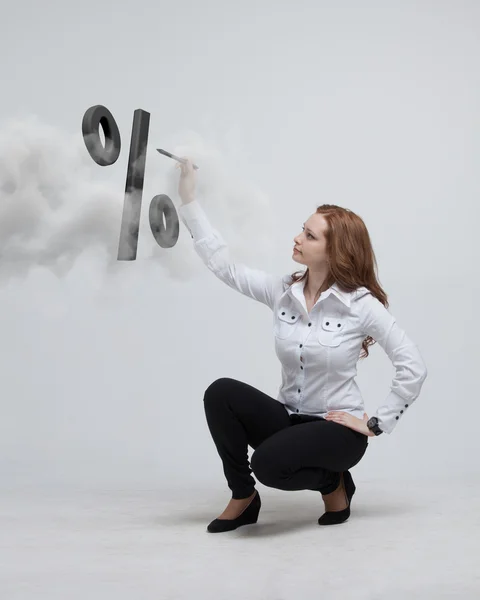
292	452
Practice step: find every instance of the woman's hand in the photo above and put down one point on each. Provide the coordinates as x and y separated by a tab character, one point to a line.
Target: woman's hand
345	418
186	185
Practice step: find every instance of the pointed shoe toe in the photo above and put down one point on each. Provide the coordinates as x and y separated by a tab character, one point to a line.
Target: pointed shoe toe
334	517
247	517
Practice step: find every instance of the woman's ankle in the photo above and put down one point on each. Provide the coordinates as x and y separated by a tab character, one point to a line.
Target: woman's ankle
336	500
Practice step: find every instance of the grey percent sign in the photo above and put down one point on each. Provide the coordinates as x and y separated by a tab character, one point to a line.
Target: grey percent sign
160	205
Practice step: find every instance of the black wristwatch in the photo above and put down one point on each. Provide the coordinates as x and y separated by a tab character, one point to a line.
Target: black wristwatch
372	424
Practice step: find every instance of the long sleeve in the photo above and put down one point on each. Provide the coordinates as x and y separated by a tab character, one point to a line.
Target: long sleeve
411	371
214	252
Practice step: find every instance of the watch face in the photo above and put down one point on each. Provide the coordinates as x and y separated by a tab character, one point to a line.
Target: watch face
372	424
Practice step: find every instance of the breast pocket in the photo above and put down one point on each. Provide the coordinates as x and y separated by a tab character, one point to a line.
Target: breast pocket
286	321
331	330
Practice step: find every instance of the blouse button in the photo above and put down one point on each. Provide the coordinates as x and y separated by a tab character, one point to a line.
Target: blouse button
401	411
283	313
406	405
397	418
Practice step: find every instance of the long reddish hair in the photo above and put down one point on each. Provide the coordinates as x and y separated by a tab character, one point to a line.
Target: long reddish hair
350	256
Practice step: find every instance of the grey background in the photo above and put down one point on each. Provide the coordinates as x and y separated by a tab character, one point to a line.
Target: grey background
108	474
372	105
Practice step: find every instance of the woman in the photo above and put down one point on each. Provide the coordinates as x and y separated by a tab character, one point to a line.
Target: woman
316	429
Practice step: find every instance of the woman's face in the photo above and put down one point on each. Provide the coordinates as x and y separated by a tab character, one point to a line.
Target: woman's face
311	242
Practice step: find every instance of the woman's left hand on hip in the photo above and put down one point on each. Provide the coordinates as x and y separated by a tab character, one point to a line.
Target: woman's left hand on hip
347	419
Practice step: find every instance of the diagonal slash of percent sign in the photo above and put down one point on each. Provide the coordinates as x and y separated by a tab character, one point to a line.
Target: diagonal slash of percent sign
167	236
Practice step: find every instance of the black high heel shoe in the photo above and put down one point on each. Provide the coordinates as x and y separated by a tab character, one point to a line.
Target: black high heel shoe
248	516
339	516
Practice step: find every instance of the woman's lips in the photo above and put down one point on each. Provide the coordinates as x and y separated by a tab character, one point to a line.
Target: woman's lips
295	250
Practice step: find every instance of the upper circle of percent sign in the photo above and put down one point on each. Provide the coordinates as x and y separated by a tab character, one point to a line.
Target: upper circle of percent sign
165	236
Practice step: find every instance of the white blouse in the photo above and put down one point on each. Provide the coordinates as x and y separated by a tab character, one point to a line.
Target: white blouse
318	351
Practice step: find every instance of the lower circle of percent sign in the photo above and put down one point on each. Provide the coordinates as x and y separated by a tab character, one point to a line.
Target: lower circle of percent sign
167	236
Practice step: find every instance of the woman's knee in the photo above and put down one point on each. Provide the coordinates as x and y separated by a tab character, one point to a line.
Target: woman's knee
217	389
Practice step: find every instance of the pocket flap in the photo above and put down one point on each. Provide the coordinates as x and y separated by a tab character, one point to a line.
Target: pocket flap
333	323
287	315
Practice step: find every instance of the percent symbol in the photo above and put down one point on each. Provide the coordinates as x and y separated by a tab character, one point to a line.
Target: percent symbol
165	236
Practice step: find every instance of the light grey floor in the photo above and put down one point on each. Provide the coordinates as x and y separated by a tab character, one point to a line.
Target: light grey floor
403	541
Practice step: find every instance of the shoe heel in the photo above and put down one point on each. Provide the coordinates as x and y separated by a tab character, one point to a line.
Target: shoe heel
350	486
340	516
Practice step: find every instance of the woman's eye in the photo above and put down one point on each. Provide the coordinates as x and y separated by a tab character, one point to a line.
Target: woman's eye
308	234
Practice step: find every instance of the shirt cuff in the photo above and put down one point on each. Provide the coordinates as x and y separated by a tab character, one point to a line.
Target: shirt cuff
391	412
194	218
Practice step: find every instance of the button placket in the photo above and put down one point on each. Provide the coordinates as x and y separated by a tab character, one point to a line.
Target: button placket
301	345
